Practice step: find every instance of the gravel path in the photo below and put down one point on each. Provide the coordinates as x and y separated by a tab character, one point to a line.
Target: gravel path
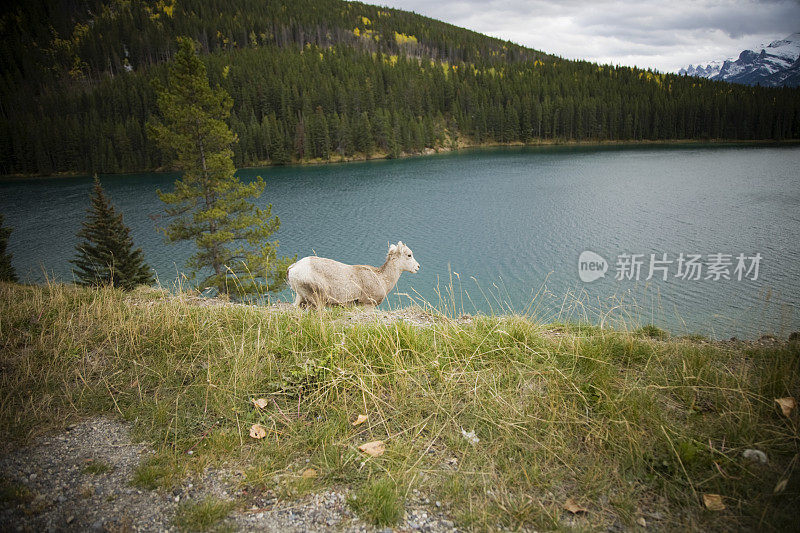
79	480
63	495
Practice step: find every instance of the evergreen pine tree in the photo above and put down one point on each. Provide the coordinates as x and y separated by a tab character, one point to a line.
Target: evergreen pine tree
210	205
7	272
362	135
277	147
106	256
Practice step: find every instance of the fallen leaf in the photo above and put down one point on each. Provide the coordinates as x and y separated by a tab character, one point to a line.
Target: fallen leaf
360	420
573	507
309	473
374	448
261	403
641	521
713	502
257	431
781	486
787	405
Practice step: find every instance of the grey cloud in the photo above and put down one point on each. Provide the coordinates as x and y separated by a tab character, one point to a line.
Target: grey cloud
649	33
734	20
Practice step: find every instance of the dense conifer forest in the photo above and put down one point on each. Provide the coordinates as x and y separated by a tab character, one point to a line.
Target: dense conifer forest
327	79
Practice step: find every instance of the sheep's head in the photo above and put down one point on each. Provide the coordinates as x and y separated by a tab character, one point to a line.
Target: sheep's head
404	257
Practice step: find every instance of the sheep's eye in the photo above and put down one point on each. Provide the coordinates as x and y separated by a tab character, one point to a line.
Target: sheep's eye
409	255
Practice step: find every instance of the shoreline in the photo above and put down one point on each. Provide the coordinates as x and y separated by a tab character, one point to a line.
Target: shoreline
380	156
421	314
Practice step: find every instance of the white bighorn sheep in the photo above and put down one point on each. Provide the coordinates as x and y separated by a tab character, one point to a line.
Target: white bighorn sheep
319	281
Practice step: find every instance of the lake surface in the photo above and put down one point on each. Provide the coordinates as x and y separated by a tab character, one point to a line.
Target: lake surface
504	228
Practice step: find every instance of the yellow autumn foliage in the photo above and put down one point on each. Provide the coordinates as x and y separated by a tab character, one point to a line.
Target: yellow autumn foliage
402	38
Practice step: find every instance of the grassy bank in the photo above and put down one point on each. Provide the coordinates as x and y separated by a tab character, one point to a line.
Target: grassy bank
631	427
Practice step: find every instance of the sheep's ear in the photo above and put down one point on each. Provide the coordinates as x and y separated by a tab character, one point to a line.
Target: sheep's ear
392	248
399	244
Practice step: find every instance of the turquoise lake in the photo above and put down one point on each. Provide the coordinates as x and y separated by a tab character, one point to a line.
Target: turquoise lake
504	228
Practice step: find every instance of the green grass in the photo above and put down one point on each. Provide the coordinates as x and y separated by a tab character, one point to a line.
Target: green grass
97	467
12	493
160	471
378	502
651	331
203	515
629	424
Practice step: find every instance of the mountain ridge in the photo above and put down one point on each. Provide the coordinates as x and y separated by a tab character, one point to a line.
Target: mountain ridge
775	64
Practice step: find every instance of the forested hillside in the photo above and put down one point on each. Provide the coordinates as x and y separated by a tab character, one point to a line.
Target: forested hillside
330	79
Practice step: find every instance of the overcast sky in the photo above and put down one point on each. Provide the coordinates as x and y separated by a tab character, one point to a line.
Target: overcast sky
662	34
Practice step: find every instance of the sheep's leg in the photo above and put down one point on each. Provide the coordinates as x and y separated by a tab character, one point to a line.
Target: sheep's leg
317	300
309	300
308	296
301	301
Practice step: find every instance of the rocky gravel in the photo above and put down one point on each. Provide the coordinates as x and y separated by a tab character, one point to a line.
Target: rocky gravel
328	511
80	480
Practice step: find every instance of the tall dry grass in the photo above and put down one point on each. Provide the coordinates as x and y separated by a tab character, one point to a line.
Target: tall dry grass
629	423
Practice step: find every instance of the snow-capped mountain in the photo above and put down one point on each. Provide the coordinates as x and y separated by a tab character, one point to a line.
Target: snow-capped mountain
774	64
708	71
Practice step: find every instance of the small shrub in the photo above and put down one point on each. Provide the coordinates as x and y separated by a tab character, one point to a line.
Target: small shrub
308	375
